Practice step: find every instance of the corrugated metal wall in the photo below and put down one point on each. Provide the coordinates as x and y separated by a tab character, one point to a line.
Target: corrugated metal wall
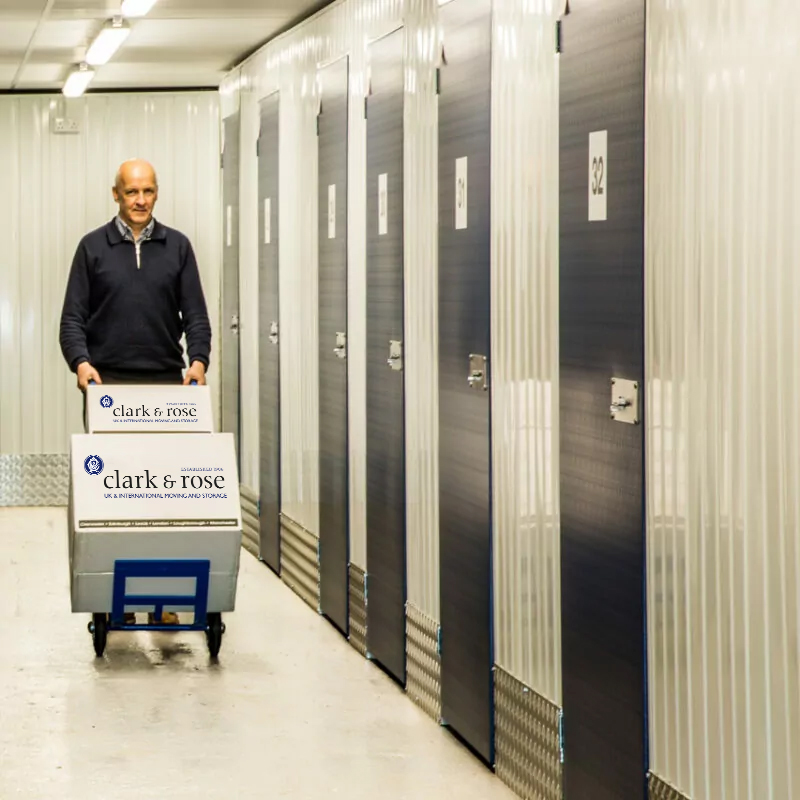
58	187
421	303
525	434
525	263
723	367
289	64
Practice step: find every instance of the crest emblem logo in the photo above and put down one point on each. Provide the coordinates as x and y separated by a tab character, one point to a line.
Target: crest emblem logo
93	465
106	401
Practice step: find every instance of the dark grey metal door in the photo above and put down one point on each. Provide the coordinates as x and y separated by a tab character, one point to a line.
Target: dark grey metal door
386	491
268	335
229	372
602	458
464	373
333	460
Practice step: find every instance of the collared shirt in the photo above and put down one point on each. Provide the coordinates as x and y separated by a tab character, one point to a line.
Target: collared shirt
127	234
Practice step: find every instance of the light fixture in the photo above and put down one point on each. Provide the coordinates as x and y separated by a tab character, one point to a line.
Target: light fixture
136	8
77	81
107	42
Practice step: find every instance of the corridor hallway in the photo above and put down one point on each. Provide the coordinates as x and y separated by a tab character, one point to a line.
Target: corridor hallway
156	719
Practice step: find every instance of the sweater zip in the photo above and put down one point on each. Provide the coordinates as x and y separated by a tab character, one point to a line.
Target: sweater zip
138	245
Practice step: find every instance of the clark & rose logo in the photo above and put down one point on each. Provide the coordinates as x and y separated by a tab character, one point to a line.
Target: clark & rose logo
93	465
106	401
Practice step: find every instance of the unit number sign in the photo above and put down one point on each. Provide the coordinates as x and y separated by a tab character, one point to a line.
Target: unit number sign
461	193
383	210
598	176
332	211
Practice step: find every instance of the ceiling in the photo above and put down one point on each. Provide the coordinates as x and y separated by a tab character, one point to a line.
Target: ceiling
179	44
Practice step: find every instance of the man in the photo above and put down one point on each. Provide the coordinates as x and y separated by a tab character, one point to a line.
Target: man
133	290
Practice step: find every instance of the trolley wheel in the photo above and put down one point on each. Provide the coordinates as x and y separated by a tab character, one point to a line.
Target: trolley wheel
214	630
98	627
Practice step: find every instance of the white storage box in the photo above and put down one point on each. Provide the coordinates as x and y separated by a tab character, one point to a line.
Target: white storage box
151	496
131	408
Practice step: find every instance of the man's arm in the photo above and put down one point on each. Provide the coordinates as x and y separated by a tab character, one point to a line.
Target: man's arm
75	312
196	324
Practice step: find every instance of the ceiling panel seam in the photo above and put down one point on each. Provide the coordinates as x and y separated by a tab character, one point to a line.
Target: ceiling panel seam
42	19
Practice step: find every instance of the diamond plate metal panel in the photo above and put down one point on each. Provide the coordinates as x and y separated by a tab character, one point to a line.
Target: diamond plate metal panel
300	561
424	681
527	741
250	522
34	480
358	610
660	790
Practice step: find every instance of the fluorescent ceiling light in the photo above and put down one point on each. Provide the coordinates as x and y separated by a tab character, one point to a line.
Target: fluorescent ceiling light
107	43
77	82
136	8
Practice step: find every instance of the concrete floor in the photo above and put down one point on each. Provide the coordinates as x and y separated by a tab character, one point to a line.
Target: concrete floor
289	711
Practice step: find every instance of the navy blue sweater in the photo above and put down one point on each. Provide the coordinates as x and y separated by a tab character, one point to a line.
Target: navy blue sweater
118	315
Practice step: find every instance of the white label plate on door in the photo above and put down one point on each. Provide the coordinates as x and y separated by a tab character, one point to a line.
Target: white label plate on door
598	176
461	193
267	221
332	211
228	225
383	199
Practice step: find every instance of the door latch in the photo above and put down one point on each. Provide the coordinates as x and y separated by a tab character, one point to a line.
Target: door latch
477	372
624	401
341	345
395	360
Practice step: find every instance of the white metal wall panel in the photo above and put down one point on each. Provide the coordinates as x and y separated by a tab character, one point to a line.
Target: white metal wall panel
525	434
421	168
248	290
723	389
58	187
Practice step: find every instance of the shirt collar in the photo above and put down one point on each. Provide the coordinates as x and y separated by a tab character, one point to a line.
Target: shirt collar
126	232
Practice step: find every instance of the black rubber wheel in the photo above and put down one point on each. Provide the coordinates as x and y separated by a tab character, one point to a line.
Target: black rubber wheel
214	631
99	629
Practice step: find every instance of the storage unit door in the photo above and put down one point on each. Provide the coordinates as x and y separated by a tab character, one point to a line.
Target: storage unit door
464	372
386	518
602	374
269	396
230	281
333	461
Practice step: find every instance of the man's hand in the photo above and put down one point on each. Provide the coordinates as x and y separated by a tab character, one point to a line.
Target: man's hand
197	372
86	372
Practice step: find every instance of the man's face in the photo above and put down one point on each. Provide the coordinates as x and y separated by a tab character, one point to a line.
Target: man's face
136	194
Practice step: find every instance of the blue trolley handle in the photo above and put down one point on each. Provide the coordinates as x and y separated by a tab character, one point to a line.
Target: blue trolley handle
92	382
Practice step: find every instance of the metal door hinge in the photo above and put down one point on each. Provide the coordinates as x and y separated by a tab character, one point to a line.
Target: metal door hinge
235	324
273	333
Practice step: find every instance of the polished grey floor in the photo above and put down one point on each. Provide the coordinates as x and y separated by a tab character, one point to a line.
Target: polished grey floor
289	711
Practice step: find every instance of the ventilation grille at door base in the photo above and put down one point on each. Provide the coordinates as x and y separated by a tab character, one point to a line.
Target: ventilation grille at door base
358	610
528	749
250	523
424	671
300	561
661	790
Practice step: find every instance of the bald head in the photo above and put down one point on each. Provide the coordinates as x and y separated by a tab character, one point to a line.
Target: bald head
135	192
133	169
